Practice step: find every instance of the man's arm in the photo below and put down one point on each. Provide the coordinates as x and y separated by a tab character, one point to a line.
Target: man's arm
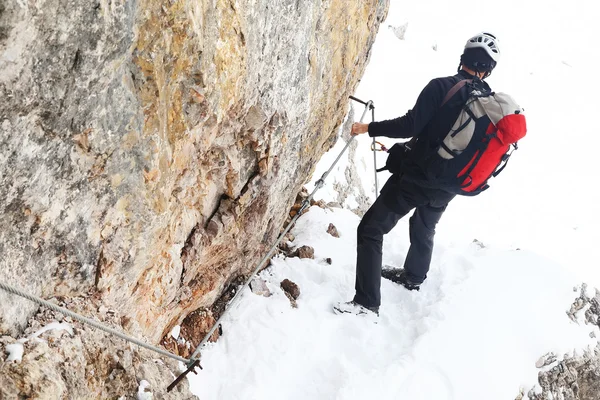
413	122
402	127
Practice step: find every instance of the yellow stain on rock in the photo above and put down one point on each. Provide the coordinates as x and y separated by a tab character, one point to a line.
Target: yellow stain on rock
116	180
165	55
230	57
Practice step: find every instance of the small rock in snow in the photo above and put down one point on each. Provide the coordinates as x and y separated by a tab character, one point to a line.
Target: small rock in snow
479	244
291	299
306	252
286	247
291	288
399	31
332	230
328	260
259	287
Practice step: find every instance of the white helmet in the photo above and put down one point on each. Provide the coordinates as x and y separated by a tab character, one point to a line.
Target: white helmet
485	41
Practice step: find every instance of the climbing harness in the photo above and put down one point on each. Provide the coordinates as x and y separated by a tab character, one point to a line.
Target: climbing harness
194	360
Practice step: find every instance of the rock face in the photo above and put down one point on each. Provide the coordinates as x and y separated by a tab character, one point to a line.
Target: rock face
573	377
151	150
83	364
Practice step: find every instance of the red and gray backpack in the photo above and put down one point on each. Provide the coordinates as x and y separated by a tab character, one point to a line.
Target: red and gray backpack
479	144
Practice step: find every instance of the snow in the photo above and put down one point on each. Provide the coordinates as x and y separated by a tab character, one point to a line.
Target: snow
175	332
53	326
15	352
489	309
142	394
470	316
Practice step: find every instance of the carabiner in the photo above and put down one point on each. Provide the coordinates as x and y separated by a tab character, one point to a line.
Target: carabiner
382	148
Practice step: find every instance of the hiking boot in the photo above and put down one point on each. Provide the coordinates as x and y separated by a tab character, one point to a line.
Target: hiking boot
352	307
398	275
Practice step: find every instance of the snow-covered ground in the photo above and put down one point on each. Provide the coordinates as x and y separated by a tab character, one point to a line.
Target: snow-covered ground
489	309
472	331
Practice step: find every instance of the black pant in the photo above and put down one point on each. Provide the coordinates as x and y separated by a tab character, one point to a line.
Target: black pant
398	197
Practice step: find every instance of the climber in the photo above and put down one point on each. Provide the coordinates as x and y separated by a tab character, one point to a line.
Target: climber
401	194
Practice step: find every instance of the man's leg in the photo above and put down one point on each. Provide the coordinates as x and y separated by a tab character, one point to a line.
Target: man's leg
422	231
378	221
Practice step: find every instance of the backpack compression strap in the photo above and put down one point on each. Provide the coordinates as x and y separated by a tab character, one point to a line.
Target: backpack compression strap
459	85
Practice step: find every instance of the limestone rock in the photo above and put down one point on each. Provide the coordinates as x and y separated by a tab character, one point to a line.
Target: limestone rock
286	247
545	360
153	148
574	377
291	288
197	324
302	195
304	252
193	329
319	203
293	302
332	230
259	287
291	291
87	362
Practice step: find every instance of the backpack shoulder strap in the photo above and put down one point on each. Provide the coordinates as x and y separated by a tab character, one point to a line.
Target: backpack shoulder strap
459	85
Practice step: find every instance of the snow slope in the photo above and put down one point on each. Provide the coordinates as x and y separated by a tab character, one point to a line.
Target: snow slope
489	309
471	332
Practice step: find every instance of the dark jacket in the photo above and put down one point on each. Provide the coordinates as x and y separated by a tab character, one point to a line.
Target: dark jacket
427	122
426	115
